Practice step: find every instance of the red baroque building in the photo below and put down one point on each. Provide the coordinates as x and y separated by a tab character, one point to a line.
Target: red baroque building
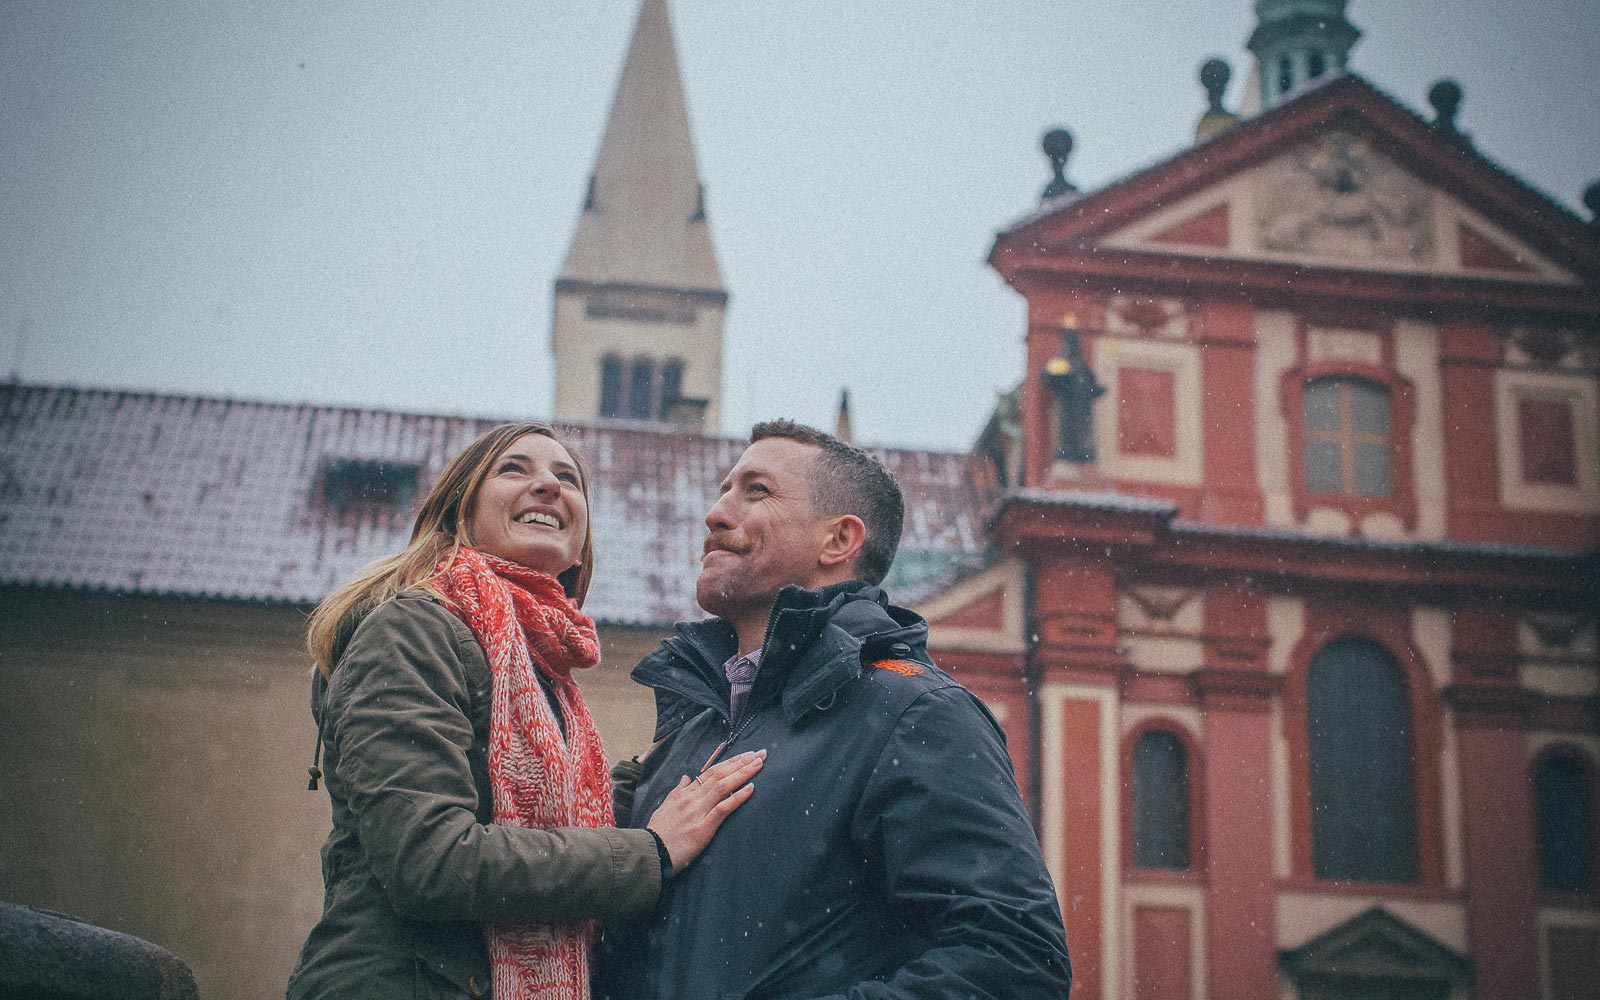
1292	617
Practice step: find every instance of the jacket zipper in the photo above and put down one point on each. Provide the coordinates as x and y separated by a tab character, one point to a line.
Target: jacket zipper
733	734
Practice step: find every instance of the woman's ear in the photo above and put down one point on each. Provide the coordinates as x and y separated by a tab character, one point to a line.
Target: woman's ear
843	543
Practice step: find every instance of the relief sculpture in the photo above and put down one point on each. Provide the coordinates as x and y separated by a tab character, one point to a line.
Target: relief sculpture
1337	197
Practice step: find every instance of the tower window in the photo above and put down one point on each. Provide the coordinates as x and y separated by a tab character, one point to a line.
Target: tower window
671	383
1315	66
1285	75
610	386
641	390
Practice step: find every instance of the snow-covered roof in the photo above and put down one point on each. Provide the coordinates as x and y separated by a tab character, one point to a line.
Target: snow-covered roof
225	498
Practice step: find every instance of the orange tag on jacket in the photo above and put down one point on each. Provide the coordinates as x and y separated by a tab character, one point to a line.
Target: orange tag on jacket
905	668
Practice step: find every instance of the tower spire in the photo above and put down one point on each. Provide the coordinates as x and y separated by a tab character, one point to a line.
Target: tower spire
639	302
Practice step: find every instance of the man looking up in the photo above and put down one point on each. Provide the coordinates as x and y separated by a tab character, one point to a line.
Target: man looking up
885	851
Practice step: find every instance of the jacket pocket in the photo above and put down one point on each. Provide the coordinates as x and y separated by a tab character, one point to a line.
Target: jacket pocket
454	964
428	984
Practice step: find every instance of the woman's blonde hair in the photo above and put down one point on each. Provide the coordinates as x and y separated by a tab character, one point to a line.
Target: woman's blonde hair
440	530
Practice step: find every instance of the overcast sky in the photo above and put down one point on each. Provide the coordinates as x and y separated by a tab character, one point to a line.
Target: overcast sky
367	202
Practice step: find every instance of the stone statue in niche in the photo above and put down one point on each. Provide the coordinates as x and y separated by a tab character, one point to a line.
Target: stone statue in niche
1337	197
1075	387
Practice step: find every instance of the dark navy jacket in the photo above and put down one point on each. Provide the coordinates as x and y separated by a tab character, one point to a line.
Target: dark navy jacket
885	851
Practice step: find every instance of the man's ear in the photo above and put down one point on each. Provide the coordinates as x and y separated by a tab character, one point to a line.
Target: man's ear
843	542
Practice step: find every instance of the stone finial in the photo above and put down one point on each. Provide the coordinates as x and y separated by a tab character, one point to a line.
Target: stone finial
1214	76
1057	145
1445	96
1591	201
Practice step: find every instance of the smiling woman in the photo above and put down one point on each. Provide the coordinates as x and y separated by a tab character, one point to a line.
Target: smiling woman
473	846
533	508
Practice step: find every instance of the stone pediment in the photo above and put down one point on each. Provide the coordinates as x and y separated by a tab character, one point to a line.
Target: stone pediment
982	612
1338	199
1376	947
1341	178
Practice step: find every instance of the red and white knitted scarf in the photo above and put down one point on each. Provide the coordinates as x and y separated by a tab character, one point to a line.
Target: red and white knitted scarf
524	621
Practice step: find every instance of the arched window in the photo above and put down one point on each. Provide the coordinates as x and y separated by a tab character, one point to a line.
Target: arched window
610	386
1363	793
1285	75
671	383
1564	797
642	390
1347	446
1160	776
1316	67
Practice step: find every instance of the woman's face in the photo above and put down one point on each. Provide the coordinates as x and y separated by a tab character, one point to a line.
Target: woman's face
530	509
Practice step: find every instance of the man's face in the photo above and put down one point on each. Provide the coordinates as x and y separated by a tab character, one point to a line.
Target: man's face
762	532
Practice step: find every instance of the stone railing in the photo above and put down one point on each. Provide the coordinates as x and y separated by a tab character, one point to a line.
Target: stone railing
46	955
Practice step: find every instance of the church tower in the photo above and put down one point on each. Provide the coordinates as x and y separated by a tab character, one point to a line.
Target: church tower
1298	41
639	304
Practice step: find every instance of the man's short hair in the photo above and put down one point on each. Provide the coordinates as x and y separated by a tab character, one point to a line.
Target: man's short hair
847	480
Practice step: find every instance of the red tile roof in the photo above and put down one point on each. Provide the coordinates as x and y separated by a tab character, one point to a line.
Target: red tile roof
182	495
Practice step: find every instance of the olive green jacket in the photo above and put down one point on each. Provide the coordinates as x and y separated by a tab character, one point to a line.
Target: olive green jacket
413	867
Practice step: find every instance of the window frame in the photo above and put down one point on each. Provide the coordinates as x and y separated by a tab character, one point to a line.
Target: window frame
1586	766
1401	501
607	363
1339	770
344	494
1346	438
1195	873
1326	621
646	366
669	384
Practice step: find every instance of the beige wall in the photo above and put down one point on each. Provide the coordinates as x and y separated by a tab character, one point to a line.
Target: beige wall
153	762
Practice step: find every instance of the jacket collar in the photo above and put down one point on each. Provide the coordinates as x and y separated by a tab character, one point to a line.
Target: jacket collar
816	642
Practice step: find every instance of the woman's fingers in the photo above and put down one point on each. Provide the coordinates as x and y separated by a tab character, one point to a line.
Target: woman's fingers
729	783
715	784
727	775
734	764
722	810
691	813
